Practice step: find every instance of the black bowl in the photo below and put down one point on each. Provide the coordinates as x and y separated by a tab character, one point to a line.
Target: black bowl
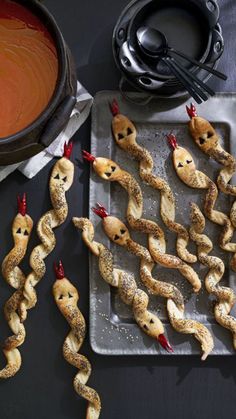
52	120
191	26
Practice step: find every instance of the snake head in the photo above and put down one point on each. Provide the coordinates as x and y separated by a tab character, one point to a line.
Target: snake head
123	129
116	230
202	131
184	165
107	169
113	227
22	224
65	294
62	175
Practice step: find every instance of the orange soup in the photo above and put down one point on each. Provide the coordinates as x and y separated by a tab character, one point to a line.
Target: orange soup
28	70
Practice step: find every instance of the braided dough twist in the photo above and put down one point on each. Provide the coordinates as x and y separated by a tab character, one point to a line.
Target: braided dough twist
60	182
208	141
125	134
128	290
21	230
226	297
186	170
109	170
119	234
66	297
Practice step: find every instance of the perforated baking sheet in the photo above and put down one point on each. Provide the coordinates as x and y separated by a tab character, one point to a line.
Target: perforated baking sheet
112	328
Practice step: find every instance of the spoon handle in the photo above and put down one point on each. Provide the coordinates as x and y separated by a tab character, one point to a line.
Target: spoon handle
195	92
193	77
199	64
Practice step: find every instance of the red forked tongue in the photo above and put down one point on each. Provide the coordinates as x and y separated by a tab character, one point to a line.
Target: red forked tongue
114	107
191	111
100	211
87	156
165	344
59	270
172	141
68	149
22	204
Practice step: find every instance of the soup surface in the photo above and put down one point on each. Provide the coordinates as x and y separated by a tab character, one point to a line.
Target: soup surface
28	70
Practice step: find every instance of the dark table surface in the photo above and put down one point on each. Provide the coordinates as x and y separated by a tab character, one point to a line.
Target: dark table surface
130	387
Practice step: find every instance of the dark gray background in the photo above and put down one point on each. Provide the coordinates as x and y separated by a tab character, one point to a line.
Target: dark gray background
130	387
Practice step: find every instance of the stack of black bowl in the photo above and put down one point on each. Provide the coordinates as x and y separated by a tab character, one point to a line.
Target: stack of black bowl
190	26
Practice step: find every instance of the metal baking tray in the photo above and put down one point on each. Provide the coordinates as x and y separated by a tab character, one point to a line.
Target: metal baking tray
112	328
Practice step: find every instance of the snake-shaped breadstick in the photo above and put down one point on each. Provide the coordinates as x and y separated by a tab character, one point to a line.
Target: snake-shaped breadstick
66	297
125	283
125	135
208	141
60	182
21	230
119	234
225	296
186	170
109	170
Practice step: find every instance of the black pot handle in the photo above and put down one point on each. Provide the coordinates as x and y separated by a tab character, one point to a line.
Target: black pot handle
217	47
210	9
58	121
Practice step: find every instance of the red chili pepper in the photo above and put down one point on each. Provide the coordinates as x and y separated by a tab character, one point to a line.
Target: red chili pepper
68	149
114	107
87	156
172	141
22	204
100	211
59	270
192	111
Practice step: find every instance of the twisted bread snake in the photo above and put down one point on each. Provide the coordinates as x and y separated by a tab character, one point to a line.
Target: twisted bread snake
21	230
66	297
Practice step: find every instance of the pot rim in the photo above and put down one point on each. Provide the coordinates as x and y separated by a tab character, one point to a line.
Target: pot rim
62	71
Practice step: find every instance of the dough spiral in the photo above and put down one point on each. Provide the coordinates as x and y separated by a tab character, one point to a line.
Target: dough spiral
21	230
60	182
109	170
66	297
125	134
208	141
186	170
119	234
226	297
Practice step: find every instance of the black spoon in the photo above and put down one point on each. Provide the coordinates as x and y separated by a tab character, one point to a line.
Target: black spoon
154	43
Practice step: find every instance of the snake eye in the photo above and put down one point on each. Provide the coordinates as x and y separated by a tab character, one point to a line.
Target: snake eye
18	231
129	131
201	140
64	179
113	168
151	321
108	174
69	295
57	176
61	297
116	237
120	136
189	161
180	165
145	327
26	233
210	134
122	231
